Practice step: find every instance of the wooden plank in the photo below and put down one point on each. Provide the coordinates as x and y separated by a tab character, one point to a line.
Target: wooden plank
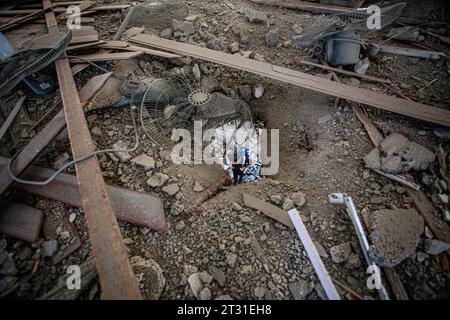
115	274
84	39
346	72
157	53
96	57
367	97
85	45
268	209
20	221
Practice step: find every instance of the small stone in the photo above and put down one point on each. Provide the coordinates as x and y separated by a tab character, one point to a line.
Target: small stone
255	16
166	33
231	259
186	27
258	91
157	180
288	204
96	131
122	156
198	187
260	292
237	207
435	247
195	284
180	225
72	217
234	47
443	198
144	161
446	216
64	235
340	253
196	72
217	275
299	198
205	294
353	262
171	189
272	38
49	248
300	289
205	277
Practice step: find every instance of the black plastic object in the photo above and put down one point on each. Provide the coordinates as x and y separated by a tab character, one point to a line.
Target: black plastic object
40	83
343	49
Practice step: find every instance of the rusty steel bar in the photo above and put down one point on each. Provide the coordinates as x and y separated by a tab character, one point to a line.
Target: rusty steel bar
113	268
20	221
139	208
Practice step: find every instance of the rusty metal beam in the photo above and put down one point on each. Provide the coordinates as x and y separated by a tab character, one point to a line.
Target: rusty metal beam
20	221
143	209
113	268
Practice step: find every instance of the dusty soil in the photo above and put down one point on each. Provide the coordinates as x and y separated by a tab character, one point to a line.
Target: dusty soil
248	255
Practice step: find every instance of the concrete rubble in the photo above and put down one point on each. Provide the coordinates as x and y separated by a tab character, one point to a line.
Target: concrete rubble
397	154
395	235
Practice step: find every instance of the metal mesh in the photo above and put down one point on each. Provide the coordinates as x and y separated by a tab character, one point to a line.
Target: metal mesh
165	106
35	61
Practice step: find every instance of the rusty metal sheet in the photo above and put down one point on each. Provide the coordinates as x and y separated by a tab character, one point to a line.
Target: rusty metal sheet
139	208
20	221
116	277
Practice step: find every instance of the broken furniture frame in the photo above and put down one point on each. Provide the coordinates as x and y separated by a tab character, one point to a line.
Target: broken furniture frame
342	198
314	256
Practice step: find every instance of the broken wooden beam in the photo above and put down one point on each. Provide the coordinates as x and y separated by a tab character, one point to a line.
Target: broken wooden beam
363	96
268	209
113	267
20	221
98	57
145	210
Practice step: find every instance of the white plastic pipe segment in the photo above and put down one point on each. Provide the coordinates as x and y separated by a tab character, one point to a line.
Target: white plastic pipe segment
313	255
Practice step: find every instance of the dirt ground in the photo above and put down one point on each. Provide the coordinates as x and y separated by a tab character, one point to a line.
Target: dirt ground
241	253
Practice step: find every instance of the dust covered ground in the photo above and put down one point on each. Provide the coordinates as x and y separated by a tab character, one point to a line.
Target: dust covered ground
235	252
